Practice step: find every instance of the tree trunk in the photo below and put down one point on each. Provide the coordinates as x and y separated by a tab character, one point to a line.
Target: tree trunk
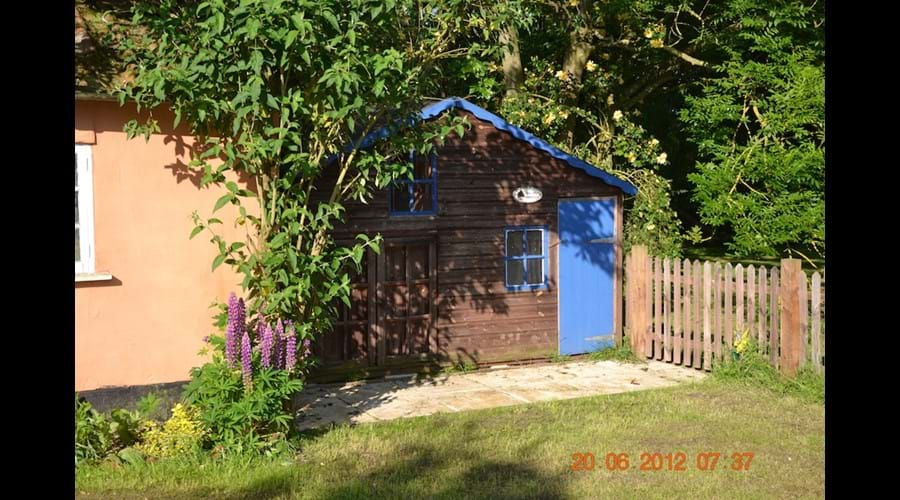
577	54
513	75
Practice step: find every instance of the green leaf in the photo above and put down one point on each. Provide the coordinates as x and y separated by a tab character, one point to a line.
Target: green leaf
222	201
289	39
218	261
197	230
329	16
271	101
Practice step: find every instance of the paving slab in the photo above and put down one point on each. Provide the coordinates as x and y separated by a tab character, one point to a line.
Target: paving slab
402	397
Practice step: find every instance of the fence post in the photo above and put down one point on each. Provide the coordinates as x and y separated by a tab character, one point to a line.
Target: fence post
638	271
792	279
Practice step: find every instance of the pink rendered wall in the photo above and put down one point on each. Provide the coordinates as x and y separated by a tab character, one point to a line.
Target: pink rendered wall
147	324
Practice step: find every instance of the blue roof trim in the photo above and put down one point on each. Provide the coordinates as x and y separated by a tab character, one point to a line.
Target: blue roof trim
434	110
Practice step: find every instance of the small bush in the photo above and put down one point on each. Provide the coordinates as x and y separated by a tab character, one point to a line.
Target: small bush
237	418
93	438
182	433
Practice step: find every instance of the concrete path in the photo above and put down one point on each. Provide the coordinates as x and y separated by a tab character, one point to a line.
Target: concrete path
386	399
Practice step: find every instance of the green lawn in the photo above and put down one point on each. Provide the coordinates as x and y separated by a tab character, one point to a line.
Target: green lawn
523	452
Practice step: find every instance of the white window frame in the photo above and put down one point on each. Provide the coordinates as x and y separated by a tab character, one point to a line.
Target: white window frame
85	208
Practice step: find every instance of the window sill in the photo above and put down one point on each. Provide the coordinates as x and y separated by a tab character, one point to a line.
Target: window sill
526	288
82	277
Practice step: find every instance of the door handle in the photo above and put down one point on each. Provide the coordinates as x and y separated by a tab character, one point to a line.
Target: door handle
602	240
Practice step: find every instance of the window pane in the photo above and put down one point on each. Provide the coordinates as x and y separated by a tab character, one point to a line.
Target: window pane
514	243
422	169
400	197
535	242
535	271
422	197
515	272
77	245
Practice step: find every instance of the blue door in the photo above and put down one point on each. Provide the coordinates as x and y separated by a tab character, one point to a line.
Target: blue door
587	256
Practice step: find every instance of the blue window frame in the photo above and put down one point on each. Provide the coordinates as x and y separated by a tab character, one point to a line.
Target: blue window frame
527	257
416	196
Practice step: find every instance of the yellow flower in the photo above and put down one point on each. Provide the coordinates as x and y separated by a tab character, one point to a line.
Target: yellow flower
590	66
617	115
562	75
656	43
661	158
610	100
549	119
648	33
573	3
604	56
654	141
742	341
563	114
631	157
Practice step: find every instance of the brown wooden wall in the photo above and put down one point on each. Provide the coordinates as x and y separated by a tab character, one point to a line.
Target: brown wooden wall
477	318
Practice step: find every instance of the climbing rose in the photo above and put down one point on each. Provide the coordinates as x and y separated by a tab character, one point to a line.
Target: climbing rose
235	327
290	360
246	367
265	346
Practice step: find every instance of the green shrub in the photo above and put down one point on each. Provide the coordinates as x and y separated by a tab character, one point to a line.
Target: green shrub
93	438
240	419
98	436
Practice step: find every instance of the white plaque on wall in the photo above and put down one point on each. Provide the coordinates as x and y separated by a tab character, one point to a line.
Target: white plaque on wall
527	194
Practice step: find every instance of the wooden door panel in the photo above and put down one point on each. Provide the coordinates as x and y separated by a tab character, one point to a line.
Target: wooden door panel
391	307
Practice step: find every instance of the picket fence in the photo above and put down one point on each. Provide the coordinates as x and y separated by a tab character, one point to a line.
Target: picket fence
696	313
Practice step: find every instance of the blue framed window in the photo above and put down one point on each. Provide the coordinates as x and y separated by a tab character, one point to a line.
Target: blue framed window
416	196
527	257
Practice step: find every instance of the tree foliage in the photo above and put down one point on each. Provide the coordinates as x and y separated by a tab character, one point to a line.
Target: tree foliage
759	126
273	89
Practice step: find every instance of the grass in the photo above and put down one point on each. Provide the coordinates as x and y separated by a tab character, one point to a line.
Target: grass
525	451
752	369
620	353
459	367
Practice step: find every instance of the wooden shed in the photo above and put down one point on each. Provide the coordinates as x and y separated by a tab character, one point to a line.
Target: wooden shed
503	248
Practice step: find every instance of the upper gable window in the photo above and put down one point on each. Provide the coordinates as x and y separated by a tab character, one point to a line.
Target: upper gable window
416	196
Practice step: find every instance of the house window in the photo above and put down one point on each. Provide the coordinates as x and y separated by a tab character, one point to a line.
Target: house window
416	196
526	257
84	211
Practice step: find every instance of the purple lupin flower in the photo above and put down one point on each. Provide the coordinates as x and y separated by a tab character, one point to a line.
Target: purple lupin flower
234	330
290	355
307	349
246	367
279	345
260	328
265	346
